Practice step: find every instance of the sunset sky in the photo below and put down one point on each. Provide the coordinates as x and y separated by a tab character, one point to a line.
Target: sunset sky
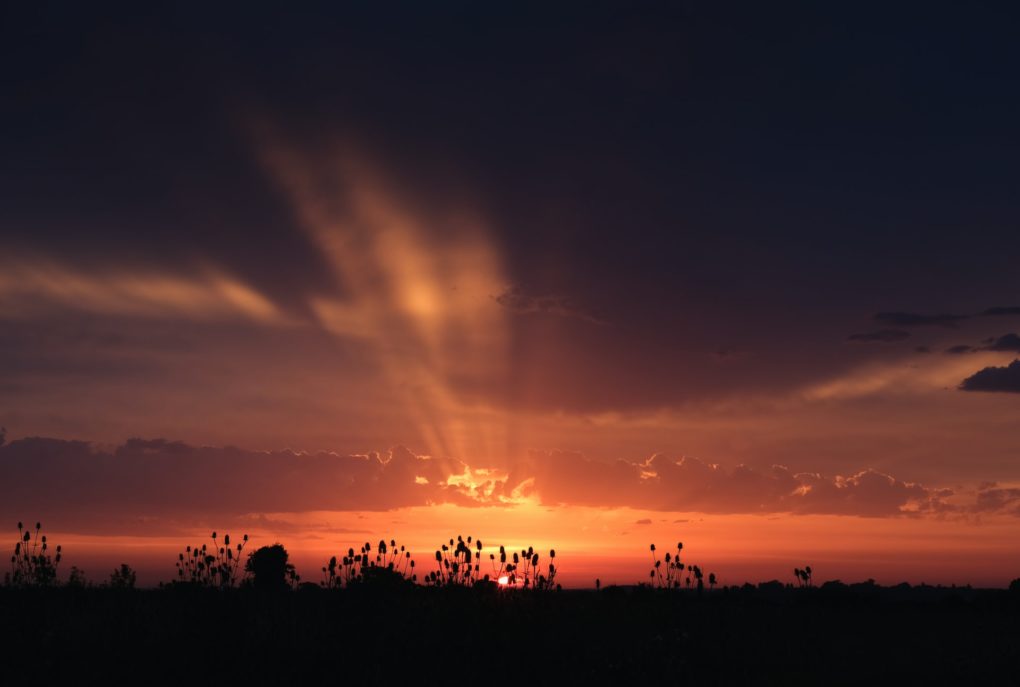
586	278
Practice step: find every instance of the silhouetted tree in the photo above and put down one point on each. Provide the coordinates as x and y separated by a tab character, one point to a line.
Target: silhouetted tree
270	569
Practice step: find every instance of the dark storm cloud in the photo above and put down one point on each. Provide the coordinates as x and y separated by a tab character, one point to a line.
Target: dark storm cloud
881	336
1003	379
906	319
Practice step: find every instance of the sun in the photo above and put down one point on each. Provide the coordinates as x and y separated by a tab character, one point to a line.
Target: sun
504	580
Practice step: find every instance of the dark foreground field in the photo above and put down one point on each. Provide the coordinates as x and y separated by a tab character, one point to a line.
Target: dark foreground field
863	635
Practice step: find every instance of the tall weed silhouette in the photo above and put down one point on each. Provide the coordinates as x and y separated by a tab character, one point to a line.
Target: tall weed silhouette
32	565
218	566
671	573
388	562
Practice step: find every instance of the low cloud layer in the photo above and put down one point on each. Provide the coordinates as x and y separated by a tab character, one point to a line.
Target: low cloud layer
147	481
141	479
689	484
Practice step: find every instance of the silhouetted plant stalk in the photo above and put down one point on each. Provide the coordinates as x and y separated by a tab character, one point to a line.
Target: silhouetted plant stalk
387	560
675	573
31	564
527	572
218	566
803	576
459	564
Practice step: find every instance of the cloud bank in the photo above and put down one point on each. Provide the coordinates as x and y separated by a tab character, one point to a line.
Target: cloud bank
145	481
690	484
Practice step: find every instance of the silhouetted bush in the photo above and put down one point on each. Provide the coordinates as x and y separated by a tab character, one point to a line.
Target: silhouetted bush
122	577
270	569
76	579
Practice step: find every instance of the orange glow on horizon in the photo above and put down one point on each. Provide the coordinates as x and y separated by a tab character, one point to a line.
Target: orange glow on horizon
609	544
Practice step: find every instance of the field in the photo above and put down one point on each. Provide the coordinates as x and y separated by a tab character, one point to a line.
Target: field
389	634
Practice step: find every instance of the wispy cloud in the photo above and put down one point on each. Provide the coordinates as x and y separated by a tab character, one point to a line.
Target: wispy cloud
412	282
28	286
519	302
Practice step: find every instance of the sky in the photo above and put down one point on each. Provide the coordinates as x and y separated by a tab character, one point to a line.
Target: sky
585	277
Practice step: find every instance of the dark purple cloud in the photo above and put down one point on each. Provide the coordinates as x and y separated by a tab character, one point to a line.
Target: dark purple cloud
1001	379
142	479
1007	342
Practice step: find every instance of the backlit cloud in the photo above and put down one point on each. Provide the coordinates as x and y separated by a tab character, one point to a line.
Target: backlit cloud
150	480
